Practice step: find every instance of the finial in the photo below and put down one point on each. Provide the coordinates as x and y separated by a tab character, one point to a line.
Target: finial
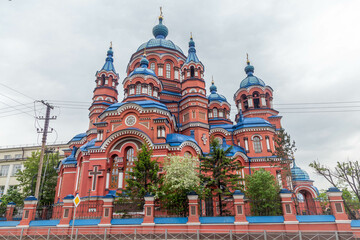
247	59
161	14
144	52
212	80
190	35
110	44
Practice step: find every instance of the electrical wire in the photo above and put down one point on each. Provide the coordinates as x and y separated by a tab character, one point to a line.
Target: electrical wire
17	91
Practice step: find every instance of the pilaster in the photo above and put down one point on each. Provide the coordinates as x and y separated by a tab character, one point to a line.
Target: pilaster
29	211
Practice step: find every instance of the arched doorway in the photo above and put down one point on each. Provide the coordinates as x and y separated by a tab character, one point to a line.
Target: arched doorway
306	203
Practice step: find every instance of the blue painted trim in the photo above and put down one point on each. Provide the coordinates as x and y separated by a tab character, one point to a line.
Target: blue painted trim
355	223
9	223
315	218
170	220
85	222
210	220
38	223
265	219
127	221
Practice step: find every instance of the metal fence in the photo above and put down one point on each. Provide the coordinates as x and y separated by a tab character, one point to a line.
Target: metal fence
164	234
89	210
18	212
210	207
47	212
262	208
128	209
165	208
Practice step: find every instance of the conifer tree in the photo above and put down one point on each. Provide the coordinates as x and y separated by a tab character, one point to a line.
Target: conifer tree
144	177
219	173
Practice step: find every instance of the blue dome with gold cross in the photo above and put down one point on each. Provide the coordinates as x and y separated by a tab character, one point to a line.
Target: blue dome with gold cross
251	80
160	33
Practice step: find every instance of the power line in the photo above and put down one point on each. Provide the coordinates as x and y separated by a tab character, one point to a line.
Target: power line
17	91
16	114
17	109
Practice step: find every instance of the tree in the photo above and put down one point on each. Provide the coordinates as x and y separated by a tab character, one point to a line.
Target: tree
13	195
144	178
285	148
345	174
219	173
27	177
181	178
263	192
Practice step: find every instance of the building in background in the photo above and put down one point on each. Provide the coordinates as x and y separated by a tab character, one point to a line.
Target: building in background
12	159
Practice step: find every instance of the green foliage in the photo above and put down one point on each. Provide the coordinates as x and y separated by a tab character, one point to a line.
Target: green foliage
284	147
344	175
144	177
12	195
219	172
181	178
263	192
27	177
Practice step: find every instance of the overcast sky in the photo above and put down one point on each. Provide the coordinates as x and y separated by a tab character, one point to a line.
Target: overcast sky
307	51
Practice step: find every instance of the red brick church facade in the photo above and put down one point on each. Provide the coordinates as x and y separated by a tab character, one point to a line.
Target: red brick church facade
166	105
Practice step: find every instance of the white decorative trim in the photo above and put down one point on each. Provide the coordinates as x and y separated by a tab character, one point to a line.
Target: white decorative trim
124	132
291	222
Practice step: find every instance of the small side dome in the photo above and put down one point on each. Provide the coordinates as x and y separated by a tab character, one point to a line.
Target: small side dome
251	80
298	174
214	96
143	69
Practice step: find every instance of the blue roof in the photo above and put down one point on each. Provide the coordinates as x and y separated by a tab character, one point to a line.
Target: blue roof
170	220
160	33
71	159
171	93
176	139
265	219
41	223
298	174
192	53
109	66
86	146
78	137
252	122
217	220
251	80
144	104
315	218
127	221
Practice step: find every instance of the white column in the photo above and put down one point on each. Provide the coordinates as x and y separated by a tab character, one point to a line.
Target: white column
267	144
77	178
250	102
8	178
263	102
60	182
246	145
107	180
120	184
239	106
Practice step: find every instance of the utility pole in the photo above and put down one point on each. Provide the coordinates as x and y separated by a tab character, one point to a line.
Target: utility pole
43	143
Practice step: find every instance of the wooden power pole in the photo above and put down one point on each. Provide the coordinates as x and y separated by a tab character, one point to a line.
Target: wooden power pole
43	144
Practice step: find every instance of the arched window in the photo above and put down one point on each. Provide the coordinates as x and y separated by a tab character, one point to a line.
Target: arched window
129	162
103	80
132	90
257	144
256	99
130	155
114	173
192	71
221	113
150	90
168	70
215	112
138	89
245	102
152	66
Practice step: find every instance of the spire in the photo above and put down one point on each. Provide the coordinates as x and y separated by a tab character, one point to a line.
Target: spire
160	31
109	66
192	51
249	69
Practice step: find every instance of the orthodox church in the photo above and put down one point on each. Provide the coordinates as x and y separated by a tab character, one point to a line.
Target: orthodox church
166	105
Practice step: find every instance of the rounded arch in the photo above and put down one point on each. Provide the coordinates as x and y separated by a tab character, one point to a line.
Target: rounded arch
114	138
307	189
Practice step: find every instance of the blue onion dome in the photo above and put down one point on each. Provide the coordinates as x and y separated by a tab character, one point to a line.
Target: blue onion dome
160	33
214	96
143	69
144	63
192	57
251	80
160	30
298	174
213	88
191	42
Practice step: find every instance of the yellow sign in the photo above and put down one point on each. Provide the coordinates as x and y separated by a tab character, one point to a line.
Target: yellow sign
77	200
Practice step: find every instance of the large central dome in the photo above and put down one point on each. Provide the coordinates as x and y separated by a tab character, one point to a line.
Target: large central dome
160	33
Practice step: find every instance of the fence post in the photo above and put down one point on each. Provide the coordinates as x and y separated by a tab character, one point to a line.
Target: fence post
135	234
29	211
197	234
107	210
289	211
67	211
336	235
165	234
149	210
9	211
105	234
230	235
300	236
193	218
265	236
338	209
239	210
48	235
